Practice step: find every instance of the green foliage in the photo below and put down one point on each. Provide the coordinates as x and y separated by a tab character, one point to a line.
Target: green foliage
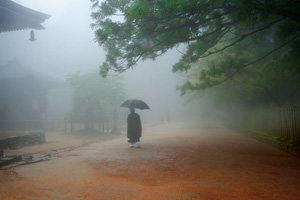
213	70
271	136
146	29
93	97
272	83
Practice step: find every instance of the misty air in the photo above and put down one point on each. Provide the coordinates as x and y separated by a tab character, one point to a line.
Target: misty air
114	99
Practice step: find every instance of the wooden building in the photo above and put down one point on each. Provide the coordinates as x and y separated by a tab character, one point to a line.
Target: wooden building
23	92
14	17
23	97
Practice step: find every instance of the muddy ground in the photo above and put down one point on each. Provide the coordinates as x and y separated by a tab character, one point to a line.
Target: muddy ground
175	161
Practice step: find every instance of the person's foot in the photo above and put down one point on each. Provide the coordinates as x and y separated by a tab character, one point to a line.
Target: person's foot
131	146
137	144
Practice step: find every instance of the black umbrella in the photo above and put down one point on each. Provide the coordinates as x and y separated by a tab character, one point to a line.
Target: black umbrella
135	103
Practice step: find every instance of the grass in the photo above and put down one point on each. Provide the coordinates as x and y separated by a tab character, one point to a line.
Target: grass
274	137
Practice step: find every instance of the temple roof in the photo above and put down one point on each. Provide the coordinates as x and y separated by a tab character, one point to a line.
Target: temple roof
14	17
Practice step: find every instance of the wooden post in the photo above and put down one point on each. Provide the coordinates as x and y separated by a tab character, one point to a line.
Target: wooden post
72	126
65	125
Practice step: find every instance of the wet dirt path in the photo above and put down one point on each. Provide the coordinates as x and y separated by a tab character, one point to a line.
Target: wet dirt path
176	161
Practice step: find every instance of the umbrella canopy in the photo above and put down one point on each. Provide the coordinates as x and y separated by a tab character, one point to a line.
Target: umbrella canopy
135	103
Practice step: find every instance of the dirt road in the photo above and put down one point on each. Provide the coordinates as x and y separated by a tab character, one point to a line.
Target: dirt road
177	161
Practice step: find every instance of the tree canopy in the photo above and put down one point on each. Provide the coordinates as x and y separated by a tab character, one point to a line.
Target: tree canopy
134	30
94	97
272	83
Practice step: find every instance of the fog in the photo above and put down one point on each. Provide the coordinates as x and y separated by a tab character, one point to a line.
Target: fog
67	46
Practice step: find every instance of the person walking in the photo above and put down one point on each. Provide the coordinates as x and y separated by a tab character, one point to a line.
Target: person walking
134	129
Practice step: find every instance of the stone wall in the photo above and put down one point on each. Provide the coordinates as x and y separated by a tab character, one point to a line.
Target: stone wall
15	142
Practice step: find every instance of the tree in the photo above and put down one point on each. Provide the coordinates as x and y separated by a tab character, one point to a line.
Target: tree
146	29
262	84
94	97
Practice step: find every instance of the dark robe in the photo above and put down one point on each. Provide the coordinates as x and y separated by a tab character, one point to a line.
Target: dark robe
134	127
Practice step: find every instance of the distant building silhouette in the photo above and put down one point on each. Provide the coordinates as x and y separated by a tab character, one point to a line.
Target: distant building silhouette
23	96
